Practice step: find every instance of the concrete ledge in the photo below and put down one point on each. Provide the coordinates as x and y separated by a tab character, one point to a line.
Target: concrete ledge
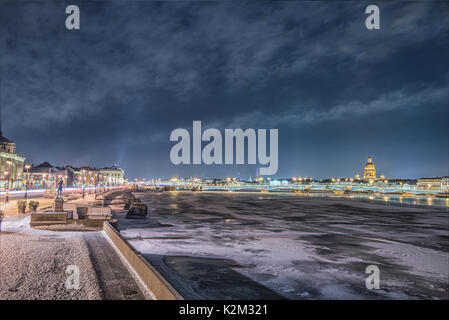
92	223
152	279
42	218
104	213
44	223
68	206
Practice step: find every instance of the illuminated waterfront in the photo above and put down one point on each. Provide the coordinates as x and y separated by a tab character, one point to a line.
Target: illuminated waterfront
395	194
416	200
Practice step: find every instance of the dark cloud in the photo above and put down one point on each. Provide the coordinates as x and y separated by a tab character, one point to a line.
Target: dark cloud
114	90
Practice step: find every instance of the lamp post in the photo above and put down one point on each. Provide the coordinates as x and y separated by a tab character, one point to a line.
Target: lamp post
89	182
27	167
83	180
9	163
84	185
100	180
7	187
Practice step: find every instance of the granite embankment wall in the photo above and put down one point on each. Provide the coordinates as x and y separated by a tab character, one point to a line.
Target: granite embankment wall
152	279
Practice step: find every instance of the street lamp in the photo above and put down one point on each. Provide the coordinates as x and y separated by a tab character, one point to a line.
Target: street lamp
27	167
9	163
84	184
7	186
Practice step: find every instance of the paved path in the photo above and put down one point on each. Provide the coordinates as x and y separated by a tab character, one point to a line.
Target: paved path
116	282
33	264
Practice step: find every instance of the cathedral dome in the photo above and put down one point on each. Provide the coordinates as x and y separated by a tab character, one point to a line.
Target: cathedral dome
369	173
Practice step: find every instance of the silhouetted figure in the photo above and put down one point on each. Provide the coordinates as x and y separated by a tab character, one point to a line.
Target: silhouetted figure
60	184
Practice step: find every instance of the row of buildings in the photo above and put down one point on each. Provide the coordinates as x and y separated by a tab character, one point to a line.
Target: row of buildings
47	176
15	174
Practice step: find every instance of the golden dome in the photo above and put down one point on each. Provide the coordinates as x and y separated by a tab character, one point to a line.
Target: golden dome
369	172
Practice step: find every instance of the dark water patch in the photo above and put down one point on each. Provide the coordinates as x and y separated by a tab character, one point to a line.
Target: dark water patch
257	251
209	278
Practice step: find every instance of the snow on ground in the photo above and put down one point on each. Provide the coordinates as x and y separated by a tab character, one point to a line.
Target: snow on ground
33	263
302	247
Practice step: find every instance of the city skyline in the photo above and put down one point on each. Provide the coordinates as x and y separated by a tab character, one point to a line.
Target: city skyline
220	155
113	91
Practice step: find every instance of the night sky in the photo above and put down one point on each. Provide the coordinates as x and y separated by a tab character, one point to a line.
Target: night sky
113	91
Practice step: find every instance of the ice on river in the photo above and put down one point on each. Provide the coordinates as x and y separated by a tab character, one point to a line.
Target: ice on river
300	247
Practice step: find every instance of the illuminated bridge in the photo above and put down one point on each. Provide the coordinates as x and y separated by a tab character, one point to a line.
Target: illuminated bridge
295	187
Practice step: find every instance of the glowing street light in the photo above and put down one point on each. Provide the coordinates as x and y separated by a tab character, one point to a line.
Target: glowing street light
27	167
7	189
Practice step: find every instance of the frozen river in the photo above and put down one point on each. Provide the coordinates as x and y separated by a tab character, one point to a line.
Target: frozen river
264	245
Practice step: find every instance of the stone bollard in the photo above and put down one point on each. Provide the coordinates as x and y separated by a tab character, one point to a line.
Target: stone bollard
137	210
59	205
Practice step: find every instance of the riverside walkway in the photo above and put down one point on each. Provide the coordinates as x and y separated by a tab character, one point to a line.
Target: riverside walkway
33	264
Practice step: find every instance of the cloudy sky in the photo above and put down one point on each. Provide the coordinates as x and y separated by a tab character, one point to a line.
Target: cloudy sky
113	91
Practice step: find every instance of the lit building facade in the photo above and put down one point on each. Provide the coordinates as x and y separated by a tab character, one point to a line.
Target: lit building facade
112	176
47	176
44	176
438	184
11	165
